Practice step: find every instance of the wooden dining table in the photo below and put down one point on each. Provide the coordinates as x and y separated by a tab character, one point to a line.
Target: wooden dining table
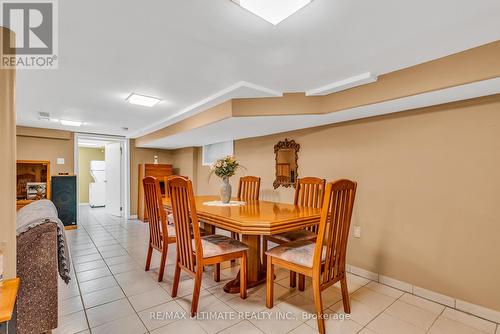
252	221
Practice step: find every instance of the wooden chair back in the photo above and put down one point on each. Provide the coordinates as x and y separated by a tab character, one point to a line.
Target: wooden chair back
249	188
186	222
157	216
166	178
333	231
309	192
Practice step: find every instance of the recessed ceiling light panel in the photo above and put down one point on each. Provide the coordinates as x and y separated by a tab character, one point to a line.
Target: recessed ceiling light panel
142	100
273	11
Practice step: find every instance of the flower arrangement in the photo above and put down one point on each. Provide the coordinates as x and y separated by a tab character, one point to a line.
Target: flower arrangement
224	167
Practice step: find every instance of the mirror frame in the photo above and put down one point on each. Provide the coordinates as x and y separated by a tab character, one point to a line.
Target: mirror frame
286	144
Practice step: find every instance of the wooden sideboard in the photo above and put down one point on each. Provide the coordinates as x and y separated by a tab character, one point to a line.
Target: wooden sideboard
160	171
34	172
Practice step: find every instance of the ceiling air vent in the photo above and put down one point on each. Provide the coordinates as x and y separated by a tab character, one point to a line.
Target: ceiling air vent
44	116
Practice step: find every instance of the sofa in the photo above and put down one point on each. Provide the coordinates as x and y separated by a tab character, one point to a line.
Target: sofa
40	248
37	269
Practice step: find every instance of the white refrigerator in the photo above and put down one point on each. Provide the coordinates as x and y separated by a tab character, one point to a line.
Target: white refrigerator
97	188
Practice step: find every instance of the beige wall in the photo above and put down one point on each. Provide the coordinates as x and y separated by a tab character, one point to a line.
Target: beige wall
185	162
85	155
45	144
8	167
428	192
143	155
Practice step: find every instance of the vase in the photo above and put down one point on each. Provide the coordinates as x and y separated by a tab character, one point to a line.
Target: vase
225	190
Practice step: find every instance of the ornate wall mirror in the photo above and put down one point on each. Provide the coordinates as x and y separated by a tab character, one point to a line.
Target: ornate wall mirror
286	163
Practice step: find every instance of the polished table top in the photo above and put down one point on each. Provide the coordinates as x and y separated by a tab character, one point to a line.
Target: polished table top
256	217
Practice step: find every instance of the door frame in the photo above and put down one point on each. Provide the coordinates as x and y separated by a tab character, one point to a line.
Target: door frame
125	167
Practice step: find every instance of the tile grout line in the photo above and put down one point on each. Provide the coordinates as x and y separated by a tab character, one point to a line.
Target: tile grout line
80	291
113	275
329	308
121	228
385	309
223	302
454	307
174	300
435	320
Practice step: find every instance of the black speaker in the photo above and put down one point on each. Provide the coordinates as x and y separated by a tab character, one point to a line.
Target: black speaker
64	198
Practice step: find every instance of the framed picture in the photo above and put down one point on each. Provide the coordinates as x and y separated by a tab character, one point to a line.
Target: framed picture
36	190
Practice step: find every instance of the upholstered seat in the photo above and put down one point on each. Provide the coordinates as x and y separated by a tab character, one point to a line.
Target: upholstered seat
297	252
170	219
299	235
215	245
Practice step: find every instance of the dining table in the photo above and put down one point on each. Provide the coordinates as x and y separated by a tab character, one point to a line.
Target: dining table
252	220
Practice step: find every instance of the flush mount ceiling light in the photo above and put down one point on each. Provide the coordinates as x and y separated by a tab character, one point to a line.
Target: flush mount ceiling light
70	123
273	11
142	100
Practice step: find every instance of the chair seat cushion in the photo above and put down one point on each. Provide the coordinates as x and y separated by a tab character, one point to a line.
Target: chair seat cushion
170	219
298	235
297	252
214	245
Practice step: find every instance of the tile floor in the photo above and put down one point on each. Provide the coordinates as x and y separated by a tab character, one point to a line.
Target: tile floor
111	293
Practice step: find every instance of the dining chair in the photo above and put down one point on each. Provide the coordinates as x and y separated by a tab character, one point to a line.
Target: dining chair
248	190
309	192
161	233
323	259
193	251
162	221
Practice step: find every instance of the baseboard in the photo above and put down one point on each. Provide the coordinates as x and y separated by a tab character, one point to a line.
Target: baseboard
83	204
457	304
395	283
364	273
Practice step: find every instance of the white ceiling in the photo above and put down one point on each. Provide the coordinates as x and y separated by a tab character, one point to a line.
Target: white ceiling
187	51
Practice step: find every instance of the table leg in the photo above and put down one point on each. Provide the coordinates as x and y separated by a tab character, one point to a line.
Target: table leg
209	228
256	272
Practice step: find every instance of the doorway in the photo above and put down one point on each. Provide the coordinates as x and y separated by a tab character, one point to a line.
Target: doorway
101	166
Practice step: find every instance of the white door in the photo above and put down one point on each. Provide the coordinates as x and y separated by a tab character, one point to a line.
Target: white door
113	157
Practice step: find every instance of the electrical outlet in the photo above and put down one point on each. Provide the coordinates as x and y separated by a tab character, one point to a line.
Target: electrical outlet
357	231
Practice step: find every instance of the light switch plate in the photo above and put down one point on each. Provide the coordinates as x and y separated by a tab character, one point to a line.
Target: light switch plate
357	231
60	161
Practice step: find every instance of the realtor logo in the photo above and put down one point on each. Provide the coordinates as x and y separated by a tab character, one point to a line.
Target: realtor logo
34	23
